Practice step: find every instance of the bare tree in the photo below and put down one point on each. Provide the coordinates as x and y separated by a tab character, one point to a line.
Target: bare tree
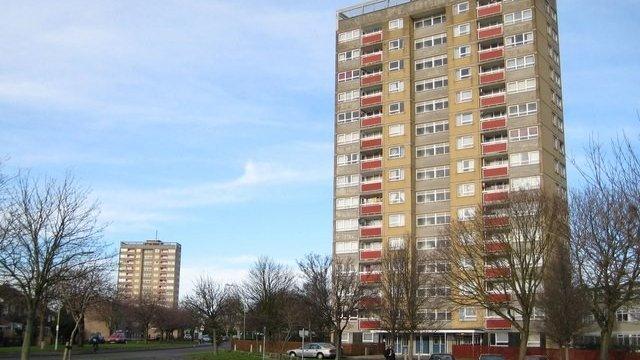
393	296
144	311
48	229
207	302
232	308
563	300
498	259
605	229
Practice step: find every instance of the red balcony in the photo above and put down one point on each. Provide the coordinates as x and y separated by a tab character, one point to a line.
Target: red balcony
372	38
494	148
371	121
370	165
489	9
374	186
370	277
499	298
495	196
496	324
371	58
371	100
493	124
370	255
370	209
370	302
371	79
371	143
492	99
371	231
495	171
496	272
491	77
490	54
490	32
495	247
369	324
496	221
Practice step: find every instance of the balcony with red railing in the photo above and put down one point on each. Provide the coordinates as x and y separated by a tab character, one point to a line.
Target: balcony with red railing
492	76
495	247
494	196
369	324
489	9
495	122
495	171
491	53
371	79
497	324
370	302
370	255
371	38
496	272
371	120
371	209
489	32
373	163
493	99
499	298
371	186
494	147
496	221
371	58
371	231
371	99
371	142
370	277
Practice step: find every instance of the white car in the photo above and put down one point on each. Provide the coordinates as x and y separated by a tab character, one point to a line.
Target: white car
314	350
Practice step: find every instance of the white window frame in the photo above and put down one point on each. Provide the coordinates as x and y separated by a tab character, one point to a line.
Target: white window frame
518	39
431	84
462	29
396	86
466	189
466	166
518	16
432	105
396	152
396	44
463	119
432	150
464	96
396	130
431	62
461	7
521	62
396	220
396	175
349	35
461	73
396	197
349	55
519	86
430	41
464	142
462	51
396	65
432	173
396	108
432	127
396	24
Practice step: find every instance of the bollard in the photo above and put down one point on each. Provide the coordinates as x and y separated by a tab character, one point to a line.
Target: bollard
235	347
366	351
251	348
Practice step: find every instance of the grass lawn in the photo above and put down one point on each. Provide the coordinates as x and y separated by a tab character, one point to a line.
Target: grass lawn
226	355
130	345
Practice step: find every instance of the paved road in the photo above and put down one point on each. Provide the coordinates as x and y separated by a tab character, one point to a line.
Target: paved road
168	354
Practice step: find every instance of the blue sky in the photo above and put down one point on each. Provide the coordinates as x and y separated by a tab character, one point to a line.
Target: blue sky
211	121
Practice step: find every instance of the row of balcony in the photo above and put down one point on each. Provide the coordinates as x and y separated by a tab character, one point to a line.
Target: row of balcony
492	324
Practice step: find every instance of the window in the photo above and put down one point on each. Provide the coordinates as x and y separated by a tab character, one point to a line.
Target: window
463	51
396	220
396	243
553	33
522	109
464	73
437	172
467	213
558	122
525	183
430	196
556	99
468	189
432	105
396	197
346	337
464	119
430	243
396	44
467	165
348	159
432	127
396	152
462	29
347	225
518	16
349	35
500	339
430	21
396	174
396	108
553	54
347	203
430	41
560	168
524	158
396	130
396	65
348	138
464	96
521	86
461	7
464	142
432	150
347	180
349	55
396	86
348	75
348	96
396	24
433	219
348	117
346	247
558	144
367	337
523	134
468	314
521	62
555	77
519	39
627	315
431	84
431	62
437	315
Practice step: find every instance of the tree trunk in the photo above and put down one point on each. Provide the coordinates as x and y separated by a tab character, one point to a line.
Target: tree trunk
338	343
524	339
565	353
41	323
26	340
605	342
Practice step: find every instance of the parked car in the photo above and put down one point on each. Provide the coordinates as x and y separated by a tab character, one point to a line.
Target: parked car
117	337
535	357
491	357
205	339
314	350
441	357
188	337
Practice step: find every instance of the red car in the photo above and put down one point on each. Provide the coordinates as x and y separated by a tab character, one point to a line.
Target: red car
117	337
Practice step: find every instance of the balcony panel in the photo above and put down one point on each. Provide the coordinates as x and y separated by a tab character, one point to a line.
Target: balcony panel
493	124
492	54
493	100
369	324
496	196
371	100
494	148
372	38
371	79
371	58
490	32
497	171
489	10
496	221
496	324
370	278
496	272
372	209
370	165
371	143
495	247
376	186
370	302
371	232
491	77
370	254
372	121
499	298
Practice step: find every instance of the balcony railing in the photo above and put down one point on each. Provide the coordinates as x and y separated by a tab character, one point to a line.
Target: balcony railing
370	79
495	171
489	9
496	324
371	120
371	58
371	164
493	122
494	196
372	38
371	209
496	221
491	53
489	32
494	147
369	324
368	255
371	99
371	231
496	272
495	247
492	76
369	302
371	142
370	277
493	99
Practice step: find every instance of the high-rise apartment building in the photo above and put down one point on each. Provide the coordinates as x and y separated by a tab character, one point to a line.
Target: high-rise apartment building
150	268
441	105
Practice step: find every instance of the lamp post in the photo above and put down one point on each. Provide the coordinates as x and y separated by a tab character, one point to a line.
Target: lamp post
55	346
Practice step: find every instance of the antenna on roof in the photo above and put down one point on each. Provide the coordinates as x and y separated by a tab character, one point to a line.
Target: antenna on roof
156	235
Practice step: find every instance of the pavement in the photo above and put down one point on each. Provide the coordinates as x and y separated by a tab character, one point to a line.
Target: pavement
160	354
